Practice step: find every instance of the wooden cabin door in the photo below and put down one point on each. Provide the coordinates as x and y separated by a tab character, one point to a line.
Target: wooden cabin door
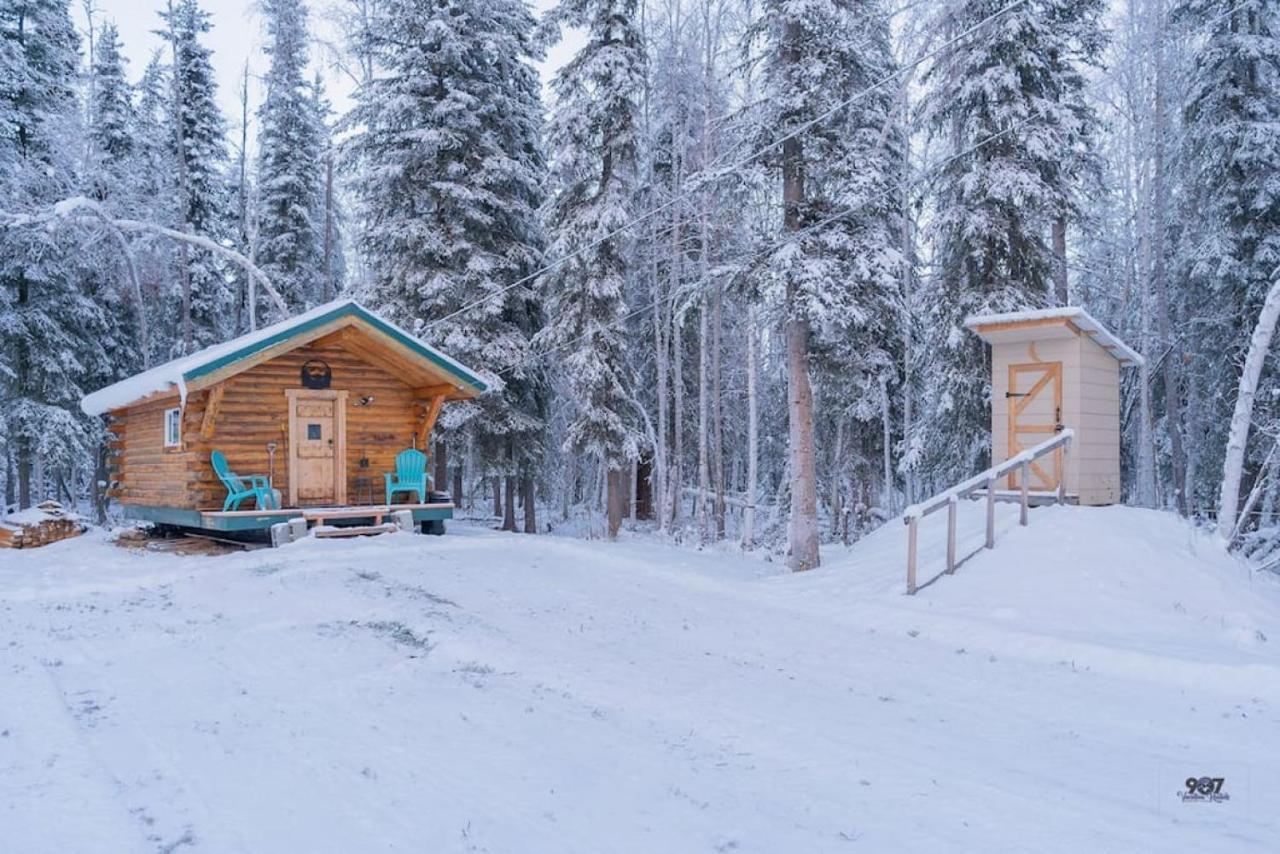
317	447
1035	414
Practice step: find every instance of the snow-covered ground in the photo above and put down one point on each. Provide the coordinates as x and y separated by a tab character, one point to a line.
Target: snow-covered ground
505	693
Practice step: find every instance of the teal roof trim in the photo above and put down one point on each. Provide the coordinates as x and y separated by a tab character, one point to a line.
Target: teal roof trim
348	310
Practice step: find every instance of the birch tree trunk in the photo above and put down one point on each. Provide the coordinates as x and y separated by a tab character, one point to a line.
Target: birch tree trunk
1173	404
717	416
1146	440
1238	437
659	481
677	386
701	508
753	439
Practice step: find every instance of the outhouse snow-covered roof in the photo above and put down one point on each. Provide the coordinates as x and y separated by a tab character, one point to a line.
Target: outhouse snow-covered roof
231	357
1068	320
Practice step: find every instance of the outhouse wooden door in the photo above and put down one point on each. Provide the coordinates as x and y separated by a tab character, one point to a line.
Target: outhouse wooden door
1035	414
317	447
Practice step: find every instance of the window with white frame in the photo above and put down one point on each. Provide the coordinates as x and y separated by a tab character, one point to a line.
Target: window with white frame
172	428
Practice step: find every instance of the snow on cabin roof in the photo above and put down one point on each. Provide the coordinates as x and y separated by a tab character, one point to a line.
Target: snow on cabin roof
178	372
1074	313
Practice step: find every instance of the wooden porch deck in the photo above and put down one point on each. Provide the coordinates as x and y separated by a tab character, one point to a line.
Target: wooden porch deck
256	520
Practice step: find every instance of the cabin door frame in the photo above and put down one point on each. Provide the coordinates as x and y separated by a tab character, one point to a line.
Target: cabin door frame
294	396
1041	382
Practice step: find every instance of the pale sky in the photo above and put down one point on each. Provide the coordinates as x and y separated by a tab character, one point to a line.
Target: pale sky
237	37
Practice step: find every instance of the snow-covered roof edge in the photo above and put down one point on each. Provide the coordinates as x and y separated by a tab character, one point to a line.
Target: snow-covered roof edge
1077	315
175	374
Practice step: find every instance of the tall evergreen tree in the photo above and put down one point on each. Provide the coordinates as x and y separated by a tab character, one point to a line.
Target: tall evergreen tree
453	175
835	281
49	326
200	150
292	142
1007	100
1230	248
112	120
594	137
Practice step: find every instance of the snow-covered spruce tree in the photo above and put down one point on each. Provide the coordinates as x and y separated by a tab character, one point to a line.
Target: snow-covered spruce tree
1009	99
834	285
1231	244
48	326
333	259
452	177
594	139
200	150
111	177
292	145
112	120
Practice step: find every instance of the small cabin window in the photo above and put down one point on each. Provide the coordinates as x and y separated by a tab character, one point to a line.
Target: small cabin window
172	428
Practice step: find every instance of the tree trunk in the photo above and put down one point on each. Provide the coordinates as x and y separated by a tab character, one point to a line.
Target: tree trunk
497	496
1146	496
802	529
530	508
1238	437
753	439
1060	259
891	500
328	225
1173	403
702	509
677	386
457	485
509	511
616	499
659	479
633	490
441	465
24	473
717	419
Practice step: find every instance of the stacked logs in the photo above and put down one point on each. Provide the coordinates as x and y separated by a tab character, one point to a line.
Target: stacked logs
47	523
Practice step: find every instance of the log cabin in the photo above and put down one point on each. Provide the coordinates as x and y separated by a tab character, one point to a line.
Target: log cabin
318	405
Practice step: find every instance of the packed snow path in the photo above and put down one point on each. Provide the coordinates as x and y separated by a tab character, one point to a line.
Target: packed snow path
504	693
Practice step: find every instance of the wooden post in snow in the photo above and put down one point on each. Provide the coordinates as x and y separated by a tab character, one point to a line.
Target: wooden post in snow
912	526
991	512
1025	474
951	535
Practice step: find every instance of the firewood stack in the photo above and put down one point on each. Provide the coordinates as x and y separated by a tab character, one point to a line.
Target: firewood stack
45	523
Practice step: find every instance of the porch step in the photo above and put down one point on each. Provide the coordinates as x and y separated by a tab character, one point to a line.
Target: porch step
328	531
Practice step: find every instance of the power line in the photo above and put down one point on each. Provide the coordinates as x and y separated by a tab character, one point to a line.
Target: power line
740	164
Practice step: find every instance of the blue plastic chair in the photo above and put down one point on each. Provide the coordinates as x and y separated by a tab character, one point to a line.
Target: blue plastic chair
410	475
259	488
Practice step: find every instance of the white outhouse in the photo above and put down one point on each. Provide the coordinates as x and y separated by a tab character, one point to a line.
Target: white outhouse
1050	369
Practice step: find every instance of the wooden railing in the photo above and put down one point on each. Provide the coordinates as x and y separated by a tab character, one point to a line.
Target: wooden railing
986	480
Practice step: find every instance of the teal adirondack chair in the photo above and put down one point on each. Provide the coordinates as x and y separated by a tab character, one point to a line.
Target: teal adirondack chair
410	475
259	489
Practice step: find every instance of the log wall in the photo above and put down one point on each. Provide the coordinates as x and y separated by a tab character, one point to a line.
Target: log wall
253	411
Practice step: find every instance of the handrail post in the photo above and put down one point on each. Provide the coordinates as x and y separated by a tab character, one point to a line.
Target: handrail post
912	523
1024	473
991	512
951	535
1062	475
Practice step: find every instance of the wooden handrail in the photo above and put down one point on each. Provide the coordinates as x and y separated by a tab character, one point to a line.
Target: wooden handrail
950	498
